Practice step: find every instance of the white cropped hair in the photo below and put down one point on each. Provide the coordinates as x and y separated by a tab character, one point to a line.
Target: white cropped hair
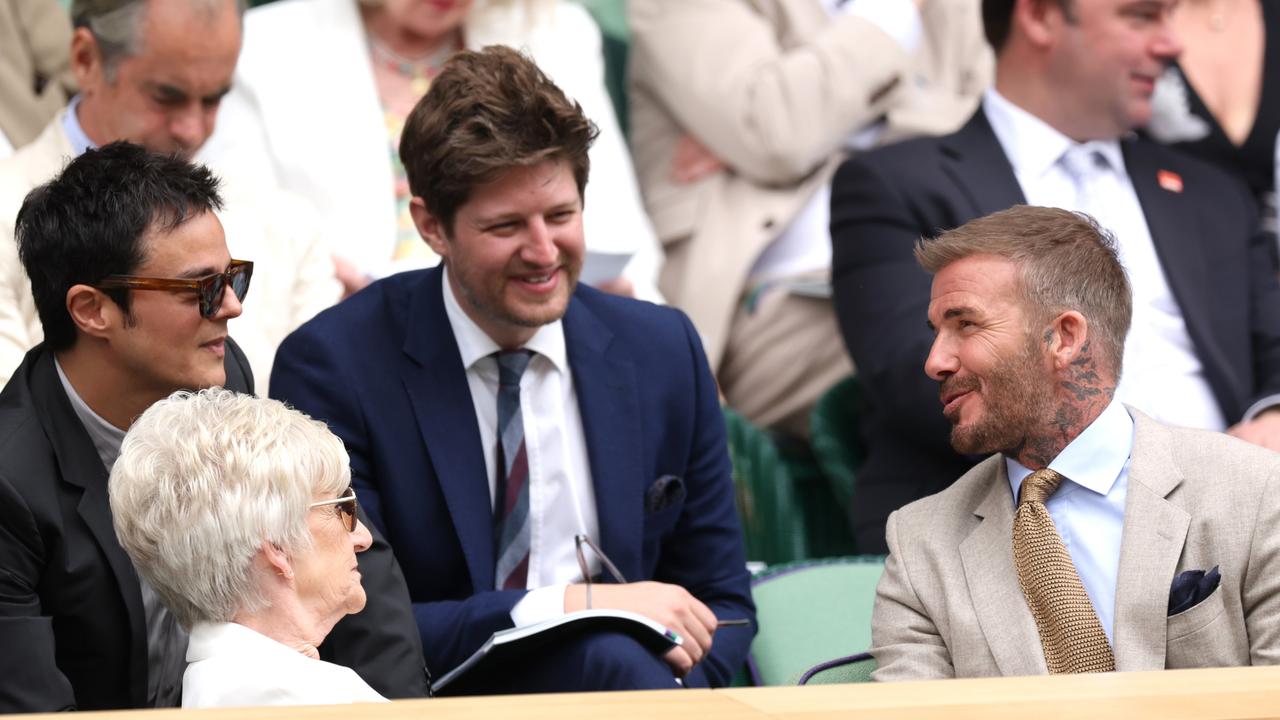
204	480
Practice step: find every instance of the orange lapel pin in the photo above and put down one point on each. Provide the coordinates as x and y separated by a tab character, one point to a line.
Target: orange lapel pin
1169	180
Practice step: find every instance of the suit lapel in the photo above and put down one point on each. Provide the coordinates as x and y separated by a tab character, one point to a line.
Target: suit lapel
1182	251
1155	531
608	398
987	556
80	466
436	384
976	162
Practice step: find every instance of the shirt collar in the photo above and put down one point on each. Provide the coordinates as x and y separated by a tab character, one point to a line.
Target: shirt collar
475	345
1032	145
1096	457
106	437
75	132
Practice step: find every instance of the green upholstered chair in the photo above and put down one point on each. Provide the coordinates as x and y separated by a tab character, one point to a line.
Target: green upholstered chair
810	613
767	504
852	669
837	442
611	16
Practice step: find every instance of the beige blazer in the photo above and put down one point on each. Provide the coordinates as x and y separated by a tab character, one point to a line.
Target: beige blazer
949	603
292	275
774	88
34	39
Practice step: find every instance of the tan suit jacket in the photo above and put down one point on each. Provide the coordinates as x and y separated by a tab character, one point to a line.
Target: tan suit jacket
949	603
34	39
292	275
773	88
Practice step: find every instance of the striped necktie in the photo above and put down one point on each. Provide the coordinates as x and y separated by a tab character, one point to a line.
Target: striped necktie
511	498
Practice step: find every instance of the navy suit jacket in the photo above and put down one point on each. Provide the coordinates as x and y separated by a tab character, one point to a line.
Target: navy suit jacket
1220	268
383	369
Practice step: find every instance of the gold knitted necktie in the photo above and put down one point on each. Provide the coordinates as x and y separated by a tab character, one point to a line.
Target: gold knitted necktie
1072	637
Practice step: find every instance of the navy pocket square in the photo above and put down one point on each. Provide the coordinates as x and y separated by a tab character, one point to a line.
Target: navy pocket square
1190	587
666	491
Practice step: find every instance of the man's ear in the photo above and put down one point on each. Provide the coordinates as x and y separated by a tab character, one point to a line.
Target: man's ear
429	226
1067	338
86	61
1039	21
92	311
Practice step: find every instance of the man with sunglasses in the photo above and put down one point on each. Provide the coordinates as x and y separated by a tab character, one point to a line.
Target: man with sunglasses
153	72
134	286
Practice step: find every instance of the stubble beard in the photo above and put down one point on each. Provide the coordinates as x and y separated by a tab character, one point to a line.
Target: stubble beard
1016	395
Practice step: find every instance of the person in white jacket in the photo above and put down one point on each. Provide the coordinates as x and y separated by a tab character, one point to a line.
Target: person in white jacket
320	96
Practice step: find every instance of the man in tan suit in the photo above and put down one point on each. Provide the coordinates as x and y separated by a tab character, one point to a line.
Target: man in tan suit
740	112
1165	542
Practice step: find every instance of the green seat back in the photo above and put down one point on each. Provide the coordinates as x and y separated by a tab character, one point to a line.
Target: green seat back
810	613
767	505
836	440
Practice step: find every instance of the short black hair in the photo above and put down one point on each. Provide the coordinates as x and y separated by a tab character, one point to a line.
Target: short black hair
89	221
997	19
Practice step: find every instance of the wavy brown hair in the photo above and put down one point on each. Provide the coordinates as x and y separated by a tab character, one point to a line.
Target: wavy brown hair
489	111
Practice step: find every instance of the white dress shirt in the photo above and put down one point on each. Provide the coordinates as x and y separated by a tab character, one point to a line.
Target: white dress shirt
234	666
562	501
1162	375
1088	507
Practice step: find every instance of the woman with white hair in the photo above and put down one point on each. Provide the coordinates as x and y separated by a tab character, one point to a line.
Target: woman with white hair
239	512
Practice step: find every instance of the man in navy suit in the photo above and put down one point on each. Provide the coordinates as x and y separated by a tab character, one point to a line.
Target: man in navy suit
502	420
1073	79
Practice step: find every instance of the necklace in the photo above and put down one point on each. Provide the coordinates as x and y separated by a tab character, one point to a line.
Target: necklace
421	70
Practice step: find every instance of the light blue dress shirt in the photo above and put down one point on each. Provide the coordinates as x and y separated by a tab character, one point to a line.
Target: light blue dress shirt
1088	508
75	133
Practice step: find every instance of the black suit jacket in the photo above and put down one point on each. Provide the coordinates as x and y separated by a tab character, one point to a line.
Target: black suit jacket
71	616
1220	268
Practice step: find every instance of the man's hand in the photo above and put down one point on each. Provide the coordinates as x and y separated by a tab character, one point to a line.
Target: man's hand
618	286
692	161
670	605
350	276
1264	429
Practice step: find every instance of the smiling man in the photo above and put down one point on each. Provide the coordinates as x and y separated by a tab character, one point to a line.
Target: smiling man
1074	78
495	410
1095	538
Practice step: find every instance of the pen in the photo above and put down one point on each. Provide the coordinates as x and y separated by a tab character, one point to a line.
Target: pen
733	622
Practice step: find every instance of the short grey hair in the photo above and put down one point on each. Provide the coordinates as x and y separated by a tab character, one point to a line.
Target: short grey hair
203	480
116	25
1066	261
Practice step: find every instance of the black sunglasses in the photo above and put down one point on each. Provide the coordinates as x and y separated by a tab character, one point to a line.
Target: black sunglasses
347	508
211	288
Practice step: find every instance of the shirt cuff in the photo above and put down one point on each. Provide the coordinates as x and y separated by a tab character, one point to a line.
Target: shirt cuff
1256	409
538	605
900	19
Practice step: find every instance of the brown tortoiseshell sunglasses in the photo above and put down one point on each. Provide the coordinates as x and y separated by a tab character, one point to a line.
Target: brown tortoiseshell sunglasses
210	288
